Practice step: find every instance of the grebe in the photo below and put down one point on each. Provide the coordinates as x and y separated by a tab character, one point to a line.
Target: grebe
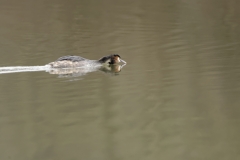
77	61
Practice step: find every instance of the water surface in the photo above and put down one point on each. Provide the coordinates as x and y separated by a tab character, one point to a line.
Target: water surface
177	98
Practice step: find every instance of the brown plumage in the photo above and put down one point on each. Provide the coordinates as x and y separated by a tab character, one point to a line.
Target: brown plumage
77	61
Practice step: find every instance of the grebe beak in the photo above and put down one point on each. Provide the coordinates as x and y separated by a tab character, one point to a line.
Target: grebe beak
123	61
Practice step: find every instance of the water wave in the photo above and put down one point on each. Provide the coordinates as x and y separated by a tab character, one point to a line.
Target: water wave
14	69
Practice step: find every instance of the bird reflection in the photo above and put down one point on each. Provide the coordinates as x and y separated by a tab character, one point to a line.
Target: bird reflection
77	72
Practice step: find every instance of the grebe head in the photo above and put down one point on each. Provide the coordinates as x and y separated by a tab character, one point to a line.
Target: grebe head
111	59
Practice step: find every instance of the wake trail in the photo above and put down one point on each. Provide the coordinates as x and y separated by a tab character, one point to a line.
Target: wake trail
14	69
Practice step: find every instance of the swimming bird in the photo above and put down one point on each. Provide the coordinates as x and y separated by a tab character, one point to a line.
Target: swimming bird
77	61
75	65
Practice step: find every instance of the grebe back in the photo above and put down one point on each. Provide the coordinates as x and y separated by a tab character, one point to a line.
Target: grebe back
77	61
